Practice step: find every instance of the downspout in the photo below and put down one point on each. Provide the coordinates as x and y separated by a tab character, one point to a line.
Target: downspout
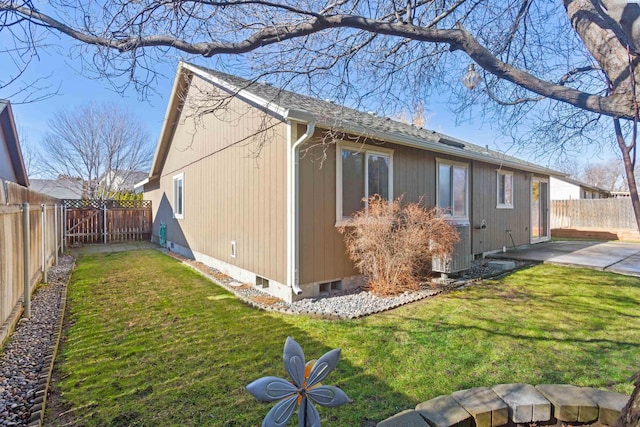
293	237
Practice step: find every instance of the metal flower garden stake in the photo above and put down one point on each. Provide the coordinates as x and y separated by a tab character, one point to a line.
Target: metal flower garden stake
303	389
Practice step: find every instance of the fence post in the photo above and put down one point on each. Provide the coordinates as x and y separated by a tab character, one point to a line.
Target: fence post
104	223
26	242
44	243
55	233
64	226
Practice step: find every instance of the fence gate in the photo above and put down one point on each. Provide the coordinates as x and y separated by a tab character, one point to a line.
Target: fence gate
106	221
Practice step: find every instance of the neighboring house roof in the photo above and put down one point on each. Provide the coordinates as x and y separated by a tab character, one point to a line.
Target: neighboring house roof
9	135
582	184
124	180
59	188
292	106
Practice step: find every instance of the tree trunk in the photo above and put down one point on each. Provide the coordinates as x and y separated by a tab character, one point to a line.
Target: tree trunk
633	188
629	159
630	415
607	30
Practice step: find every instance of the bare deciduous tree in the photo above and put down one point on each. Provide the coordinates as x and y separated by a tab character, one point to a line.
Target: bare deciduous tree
565	64
104	145
607	175
29	155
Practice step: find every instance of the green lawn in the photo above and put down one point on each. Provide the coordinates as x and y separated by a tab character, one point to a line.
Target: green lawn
152	343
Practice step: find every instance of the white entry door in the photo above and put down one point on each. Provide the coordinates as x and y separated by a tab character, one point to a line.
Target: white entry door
539	210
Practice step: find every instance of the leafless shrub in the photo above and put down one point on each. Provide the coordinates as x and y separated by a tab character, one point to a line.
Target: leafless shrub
392	243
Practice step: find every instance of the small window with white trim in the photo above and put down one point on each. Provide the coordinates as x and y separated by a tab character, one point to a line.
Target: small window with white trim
505	190
453	185
178	196
362	171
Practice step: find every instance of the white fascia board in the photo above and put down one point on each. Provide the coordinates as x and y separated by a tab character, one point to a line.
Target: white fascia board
141	183
237	91
424	144
165	122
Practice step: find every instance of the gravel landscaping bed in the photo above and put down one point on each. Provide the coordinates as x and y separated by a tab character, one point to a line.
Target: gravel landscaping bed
22	360
348	304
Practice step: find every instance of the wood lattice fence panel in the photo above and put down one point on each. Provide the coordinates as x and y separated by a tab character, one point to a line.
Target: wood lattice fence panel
100	221
109	204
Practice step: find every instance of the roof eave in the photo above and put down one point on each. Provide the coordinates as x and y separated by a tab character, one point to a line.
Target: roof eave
13	145
237	90
422	143
167	124
303	116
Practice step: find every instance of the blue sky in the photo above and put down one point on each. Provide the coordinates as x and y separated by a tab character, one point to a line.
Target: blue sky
76	89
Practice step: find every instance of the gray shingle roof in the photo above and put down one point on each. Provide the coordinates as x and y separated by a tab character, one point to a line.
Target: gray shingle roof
334	116
58	188
583	184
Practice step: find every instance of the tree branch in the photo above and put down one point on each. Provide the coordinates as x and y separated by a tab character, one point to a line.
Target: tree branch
616	105
511	103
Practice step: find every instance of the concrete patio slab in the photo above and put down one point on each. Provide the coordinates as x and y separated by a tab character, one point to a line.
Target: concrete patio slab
629	266
622	258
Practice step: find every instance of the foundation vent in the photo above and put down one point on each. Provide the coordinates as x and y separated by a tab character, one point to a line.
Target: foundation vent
330	287
262	282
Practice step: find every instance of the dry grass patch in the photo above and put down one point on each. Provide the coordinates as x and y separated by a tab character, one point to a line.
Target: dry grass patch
266	300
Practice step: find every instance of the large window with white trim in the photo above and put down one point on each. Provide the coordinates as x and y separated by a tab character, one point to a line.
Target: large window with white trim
505	190
452	195
178	196
362	171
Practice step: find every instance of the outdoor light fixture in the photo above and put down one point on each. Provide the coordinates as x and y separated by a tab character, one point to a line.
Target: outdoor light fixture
471	78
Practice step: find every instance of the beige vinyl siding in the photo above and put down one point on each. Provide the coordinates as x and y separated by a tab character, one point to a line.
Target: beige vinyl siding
414	175
484	199
322	250
230	194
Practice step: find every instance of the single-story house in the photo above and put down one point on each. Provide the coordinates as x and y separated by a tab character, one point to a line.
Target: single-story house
255	181
565	188
12	168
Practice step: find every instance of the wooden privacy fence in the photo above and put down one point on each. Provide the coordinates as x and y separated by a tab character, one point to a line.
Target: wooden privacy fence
106	221
30	240
593	213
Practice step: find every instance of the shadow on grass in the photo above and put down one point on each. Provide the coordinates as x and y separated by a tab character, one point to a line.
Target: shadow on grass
152	342
548	325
